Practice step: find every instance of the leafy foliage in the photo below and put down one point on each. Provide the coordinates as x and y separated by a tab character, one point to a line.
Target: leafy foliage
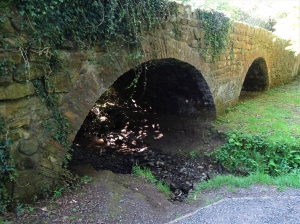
250	16
7	170
107	24
101	22
246	153
217	27
6	67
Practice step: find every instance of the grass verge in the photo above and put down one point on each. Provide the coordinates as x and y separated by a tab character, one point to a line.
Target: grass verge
266	146
274	114
281	182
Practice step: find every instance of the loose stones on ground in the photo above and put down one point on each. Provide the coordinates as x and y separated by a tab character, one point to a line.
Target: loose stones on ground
180	172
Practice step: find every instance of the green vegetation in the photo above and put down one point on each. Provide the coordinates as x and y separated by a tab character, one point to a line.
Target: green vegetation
274	115
245	153
266	149
281	182
7	169
194	154
147	174
6	67
217	27
231	10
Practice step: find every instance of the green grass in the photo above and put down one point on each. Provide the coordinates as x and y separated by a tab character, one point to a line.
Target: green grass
233	182
144	173
275	114
268	134
147	174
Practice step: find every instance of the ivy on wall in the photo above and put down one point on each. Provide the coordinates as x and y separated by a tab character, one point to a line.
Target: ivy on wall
51	24
7	170
86	24
99	22
217	27
6	66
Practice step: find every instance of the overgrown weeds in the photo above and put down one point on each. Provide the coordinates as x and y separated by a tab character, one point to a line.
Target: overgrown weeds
246	153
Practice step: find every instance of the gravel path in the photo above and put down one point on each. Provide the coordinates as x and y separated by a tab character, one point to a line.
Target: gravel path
247	210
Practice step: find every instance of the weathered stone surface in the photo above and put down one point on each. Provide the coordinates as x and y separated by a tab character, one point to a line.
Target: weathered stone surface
14	42
28	147
16	90
47	164
5	24
6	78
36	71
59	82
25	163
48	172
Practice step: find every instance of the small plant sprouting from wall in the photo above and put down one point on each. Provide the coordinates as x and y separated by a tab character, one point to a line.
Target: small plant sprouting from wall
217	27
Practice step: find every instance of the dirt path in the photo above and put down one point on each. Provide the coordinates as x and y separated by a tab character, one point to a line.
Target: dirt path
123	198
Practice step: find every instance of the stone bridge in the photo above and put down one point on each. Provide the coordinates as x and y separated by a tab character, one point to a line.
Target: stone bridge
256	60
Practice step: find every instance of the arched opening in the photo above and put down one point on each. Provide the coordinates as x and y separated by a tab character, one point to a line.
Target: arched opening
163	123
256	79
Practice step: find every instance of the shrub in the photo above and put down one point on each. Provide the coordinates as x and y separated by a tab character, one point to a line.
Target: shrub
245	153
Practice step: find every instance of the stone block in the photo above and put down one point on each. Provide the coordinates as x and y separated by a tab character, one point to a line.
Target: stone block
48	172
28	147
52	149
6	26
6	78
16	91
36	71
193	22
194	44
183	21
203	45
59	82
199	33
46	163
25	162
14	42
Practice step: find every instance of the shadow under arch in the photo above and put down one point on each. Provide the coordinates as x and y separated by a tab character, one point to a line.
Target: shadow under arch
168	85
169	109
257	78
160	123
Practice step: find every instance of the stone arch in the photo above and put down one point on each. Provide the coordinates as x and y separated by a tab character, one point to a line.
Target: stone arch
170	85
257	76
92	82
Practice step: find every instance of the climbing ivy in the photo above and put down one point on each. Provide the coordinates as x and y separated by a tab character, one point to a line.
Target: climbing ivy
6	67
217	27
7	170
88	22
104	23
